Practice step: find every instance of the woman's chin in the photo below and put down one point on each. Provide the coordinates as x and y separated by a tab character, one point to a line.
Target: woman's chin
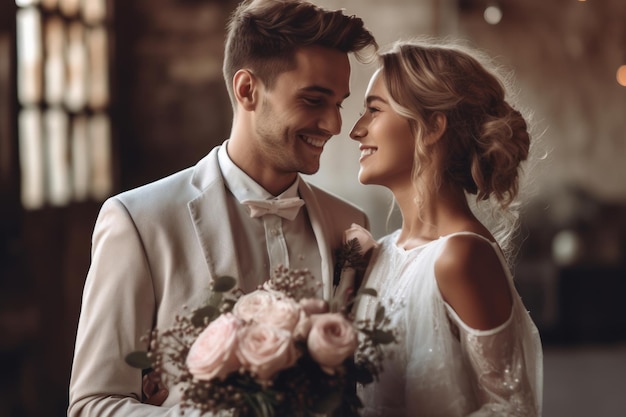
366	179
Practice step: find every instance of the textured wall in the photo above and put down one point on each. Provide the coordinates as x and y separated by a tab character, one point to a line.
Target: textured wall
565	55
171	99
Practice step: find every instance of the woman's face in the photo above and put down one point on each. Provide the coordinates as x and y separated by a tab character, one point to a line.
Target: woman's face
386	142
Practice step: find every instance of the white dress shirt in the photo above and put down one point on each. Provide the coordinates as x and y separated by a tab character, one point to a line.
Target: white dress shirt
263	243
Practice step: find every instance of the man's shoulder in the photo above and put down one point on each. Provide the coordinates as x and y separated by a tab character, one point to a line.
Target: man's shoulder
178	187
166	188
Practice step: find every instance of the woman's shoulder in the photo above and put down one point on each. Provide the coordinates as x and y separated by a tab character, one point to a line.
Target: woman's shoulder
463	247
473	279
466	256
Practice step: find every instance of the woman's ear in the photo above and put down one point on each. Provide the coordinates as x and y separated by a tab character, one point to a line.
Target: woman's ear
438	124
245	85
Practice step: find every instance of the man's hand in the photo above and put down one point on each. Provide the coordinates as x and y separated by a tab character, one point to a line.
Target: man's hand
154	392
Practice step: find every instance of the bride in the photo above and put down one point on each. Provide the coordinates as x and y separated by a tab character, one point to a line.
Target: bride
437	128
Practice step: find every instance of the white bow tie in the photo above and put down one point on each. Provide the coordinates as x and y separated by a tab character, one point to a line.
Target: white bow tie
285	207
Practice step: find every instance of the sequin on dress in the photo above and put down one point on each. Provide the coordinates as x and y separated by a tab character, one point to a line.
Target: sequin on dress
441	367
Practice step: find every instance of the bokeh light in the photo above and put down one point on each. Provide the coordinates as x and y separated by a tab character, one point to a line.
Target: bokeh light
621	75
493	14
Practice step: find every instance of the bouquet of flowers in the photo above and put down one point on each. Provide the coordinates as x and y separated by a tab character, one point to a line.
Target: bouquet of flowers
277	351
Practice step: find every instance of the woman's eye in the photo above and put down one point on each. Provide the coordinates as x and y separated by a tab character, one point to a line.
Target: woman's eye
372	109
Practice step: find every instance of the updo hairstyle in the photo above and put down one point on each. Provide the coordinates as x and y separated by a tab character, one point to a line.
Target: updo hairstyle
485	139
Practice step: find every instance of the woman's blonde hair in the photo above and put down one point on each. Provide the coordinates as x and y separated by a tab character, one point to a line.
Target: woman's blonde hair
485	139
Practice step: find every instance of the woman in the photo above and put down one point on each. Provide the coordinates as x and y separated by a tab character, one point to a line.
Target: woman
436	129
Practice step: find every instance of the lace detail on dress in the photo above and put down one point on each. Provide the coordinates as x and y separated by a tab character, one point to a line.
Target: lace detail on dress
498	366
441	367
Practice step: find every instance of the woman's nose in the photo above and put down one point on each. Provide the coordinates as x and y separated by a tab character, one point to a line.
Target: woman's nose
358	131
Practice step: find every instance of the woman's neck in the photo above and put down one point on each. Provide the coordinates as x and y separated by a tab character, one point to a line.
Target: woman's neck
436	214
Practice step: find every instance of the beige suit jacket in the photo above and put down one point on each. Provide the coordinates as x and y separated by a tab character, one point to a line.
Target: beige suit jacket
155	249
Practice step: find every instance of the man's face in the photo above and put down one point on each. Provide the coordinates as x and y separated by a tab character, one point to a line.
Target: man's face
296	118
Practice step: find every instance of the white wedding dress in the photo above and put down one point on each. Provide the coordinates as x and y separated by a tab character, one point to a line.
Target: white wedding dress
440	366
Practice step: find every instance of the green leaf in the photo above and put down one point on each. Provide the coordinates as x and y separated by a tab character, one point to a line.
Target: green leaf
138	359
228	304
383	337
224	284
380	314
215	299
204	315
264	405
328	402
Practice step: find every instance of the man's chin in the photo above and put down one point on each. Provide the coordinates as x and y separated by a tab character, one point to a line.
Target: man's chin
310	170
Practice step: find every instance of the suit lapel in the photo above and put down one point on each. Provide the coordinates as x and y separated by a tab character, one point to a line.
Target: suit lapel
322	233
209	213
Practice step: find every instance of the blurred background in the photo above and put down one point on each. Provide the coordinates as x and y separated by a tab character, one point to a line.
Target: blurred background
99	96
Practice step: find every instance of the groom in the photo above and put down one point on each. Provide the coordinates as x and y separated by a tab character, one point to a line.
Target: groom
157	248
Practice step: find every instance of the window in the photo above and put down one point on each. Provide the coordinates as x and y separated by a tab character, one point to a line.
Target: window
64	126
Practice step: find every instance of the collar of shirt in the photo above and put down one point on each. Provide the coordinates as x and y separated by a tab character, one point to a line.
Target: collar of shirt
242	186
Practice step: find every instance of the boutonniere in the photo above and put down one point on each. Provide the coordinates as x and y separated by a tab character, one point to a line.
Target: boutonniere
351	259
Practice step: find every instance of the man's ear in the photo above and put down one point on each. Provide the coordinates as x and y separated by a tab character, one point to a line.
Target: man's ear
438	124
245	86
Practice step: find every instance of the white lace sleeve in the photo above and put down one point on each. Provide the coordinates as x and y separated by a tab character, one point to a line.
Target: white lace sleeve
506	376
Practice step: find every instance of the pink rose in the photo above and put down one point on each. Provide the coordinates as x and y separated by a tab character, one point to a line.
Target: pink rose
213	352
268	308
362	235
265	350
314	306
309	306
331	341
249	306
284	313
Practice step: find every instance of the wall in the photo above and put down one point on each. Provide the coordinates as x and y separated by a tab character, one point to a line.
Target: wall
172	105
565	55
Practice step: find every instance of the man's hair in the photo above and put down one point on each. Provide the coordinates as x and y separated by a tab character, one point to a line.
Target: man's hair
264	34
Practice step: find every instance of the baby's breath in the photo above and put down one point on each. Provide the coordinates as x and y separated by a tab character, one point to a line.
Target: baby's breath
302	390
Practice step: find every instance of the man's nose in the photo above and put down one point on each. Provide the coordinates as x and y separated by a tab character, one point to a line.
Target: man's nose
331	122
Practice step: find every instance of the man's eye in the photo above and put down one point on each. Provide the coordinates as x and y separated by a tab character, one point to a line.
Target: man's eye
313	101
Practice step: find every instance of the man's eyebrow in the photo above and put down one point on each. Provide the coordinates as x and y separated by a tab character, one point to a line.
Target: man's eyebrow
323	90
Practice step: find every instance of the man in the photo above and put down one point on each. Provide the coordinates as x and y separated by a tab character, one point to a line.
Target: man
157	248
